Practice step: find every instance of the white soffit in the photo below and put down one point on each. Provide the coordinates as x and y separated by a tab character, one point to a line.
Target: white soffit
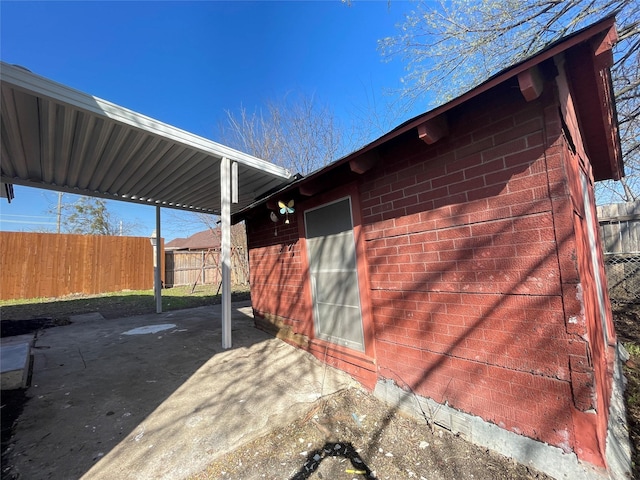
58	138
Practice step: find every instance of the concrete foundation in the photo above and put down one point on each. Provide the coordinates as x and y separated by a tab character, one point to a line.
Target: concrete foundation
541	456
618	445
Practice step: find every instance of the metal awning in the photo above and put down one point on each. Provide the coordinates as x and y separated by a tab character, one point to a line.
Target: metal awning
58	138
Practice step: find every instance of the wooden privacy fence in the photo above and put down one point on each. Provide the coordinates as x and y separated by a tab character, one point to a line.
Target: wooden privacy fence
620	233
53	265
202	267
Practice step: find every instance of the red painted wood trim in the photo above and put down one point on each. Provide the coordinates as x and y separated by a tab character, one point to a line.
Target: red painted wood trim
364	162
352	191
531	83
603	48
361	360
314	187
433	130
307	321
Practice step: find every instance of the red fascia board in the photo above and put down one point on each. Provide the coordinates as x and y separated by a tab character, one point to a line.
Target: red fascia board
510	72
554	49
596	114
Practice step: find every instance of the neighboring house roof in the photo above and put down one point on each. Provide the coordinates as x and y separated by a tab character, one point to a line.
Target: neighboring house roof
198	241
590	74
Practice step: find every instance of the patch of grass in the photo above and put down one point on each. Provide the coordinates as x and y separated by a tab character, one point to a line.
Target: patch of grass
633	349
116	304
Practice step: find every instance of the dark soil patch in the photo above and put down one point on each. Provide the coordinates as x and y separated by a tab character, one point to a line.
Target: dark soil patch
627	321
12	328
12	403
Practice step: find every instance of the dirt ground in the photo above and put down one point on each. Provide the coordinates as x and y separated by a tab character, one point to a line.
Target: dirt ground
627	319
352	435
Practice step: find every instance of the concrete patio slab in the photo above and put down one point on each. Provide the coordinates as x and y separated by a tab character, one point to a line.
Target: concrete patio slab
160	404
14	361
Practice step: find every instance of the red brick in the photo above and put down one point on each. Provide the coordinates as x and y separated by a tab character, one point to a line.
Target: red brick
535	139
463	163
508	148
385	268
393	195
397	241
376	243
418	208
379	209
432	194
453	233
400	277
433	170
414	267
403	183
464	186
583	390
386	251
440	245
447	180
424	237
391	214
412	248
484	168
395	231
366	204
385	180
405	201
494	128
427	257
406	221
523	129
474	147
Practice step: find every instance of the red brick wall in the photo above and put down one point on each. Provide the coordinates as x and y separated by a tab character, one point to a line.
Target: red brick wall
276	273
474	281
466	279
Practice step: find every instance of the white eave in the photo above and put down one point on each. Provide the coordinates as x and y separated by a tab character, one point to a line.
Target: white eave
58	138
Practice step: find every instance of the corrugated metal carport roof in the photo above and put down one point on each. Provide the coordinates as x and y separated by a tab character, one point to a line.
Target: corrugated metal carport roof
61	139
58	138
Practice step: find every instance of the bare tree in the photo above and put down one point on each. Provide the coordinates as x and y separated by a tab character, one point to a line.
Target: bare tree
298	133
450	46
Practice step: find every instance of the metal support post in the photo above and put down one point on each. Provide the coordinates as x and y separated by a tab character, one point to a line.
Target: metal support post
157	265
225	249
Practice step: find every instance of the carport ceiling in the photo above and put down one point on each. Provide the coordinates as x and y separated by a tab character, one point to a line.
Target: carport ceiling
61	139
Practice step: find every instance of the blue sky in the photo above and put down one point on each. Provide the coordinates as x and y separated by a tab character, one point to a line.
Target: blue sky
185	63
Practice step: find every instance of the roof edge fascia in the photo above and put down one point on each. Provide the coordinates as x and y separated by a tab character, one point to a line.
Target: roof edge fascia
29	82
559	46
550	51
